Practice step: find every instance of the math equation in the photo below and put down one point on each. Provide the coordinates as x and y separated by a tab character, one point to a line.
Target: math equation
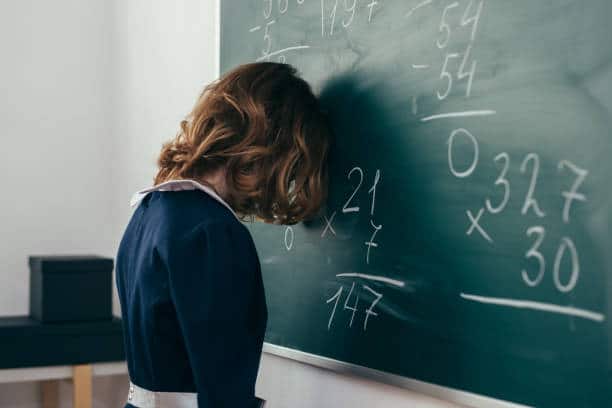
356	297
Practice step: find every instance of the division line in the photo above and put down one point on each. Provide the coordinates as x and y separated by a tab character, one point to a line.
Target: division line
420	66
271	54
252	30
373	278
530	304
484	112
418	6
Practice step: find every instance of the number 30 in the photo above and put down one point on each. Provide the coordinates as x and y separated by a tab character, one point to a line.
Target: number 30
534	252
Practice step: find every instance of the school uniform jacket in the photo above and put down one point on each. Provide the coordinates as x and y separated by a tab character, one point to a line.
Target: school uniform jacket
192	298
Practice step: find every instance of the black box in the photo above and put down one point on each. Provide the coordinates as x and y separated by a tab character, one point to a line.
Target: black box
69	288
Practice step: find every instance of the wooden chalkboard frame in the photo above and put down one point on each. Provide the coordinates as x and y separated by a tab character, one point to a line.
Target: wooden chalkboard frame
341	367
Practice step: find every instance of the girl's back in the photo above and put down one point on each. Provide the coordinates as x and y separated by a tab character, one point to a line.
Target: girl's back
190	287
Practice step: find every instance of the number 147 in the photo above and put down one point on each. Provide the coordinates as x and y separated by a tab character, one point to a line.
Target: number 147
335	299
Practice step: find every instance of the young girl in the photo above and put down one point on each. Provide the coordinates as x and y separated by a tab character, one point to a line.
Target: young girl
187	273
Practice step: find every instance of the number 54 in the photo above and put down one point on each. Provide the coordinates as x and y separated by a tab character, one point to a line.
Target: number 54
447	76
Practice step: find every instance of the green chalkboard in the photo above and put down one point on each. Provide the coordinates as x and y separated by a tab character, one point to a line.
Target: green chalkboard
467	240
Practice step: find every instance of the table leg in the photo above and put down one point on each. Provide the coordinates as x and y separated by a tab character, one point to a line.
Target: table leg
82	388
50	393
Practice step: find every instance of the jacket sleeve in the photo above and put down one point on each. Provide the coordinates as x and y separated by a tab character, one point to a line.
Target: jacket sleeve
213	276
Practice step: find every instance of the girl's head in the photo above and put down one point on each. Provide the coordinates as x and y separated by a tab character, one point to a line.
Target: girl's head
262	129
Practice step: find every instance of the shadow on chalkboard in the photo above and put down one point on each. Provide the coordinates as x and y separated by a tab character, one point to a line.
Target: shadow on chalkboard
422	209
374	129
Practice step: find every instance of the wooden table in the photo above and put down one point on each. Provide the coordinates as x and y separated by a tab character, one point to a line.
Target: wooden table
50	378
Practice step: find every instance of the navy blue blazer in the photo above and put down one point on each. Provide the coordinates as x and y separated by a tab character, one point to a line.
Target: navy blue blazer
192	299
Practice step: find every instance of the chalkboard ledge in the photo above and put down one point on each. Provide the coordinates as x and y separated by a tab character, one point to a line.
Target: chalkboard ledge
433	390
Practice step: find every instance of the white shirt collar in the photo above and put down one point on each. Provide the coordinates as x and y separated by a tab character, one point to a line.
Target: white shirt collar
178	185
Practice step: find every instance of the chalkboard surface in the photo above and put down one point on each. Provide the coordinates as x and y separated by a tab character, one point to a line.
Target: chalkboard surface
467	241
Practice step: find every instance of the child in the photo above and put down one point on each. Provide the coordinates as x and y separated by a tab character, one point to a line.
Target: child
187	272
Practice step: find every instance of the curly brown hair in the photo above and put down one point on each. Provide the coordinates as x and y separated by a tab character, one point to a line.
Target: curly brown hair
264	125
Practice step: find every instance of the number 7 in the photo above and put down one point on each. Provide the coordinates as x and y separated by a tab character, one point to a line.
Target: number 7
374	302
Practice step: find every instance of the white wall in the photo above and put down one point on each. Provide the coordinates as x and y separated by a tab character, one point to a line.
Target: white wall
163	56
54	111
90	90
56	144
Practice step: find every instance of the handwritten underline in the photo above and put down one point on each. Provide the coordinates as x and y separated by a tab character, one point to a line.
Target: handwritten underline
533	305
271	54
373	278
463	114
